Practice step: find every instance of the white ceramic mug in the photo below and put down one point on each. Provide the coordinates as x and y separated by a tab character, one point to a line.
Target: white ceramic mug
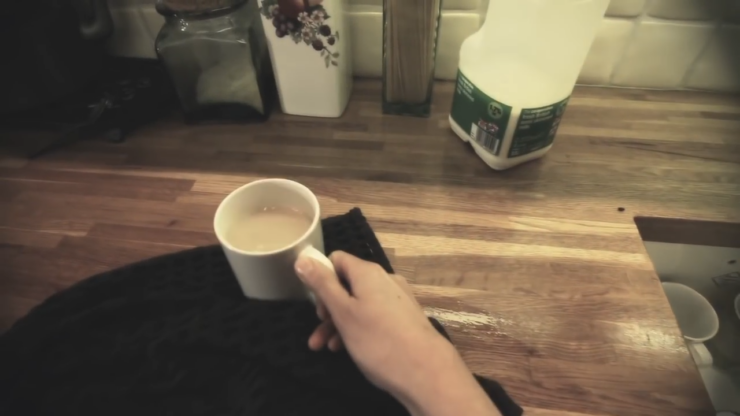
696	318
271	275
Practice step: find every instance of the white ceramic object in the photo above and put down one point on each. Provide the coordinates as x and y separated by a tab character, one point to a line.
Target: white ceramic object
310	51
696	318
271	275
695	315
701	355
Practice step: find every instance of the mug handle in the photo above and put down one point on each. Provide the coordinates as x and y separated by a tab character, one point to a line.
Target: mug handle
315	254
700	353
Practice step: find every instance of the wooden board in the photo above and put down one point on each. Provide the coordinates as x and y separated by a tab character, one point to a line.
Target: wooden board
565	307
549	356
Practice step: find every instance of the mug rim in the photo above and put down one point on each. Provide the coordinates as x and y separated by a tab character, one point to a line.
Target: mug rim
701	299
314	222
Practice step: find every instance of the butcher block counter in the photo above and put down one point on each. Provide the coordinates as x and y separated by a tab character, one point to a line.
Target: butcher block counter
538	272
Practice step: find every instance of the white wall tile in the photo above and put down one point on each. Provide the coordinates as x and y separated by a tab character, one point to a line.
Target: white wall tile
607	49
625	8
367	43
685	9
628	51
131	36
455	28
660	54
718	67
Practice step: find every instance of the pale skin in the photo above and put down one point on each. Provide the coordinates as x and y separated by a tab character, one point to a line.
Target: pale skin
386	333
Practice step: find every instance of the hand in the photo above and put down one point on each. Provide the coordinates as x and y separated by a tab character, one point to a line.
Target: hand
390	339
326	335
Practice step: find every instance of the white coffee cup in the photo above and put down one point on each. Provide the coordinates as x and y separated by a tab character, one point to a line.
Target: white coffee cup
271	275
696	318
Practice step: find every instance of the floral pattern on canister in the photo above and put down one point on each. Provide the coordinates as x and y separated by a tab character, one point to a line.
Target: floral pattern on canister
303	21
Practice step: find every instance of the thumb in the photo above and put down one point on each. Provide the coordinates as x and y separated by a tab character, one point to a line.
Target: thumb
323	282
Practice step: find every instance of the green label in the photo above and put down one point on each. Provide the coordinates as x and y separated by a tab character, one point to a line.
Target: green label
536	128
482	117
486	120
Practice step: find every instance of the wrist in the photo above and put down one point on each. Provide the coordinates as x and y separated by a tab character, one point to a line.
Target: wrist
446	387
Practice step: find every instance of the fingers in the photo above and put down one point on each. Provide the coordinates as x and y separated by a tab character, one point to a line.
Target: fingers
335	343
323	282
360	274
323	334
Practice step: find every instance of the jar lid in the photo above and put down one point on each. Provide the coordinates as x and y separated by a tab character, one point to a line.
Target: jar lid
169	7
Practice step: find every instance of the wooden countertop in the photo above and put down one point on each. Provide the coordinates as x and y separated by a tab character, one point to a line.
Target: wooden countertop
543	282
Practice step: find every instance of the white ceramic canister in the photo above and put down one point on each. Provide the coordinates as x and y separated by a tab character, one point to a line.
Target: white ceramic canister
310	51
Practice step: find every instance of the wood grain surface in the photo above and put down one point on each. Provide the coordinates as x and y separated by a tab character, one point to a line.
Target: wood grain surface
542	280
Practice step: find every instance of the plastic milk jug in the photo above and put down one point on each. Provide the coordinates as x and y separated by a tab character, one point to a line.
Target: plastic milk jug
516	75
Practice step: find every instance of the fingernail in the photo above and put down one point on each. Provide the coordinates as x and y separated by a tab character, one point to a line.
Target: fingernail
303	266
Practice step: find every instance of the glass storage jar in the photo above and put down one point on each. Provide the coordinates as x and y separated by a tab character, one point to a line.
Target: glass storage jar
410	31
216	55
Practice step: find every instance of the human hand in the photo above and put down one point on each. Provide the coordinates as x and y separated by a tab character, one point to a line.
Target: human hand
388	336
326	335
